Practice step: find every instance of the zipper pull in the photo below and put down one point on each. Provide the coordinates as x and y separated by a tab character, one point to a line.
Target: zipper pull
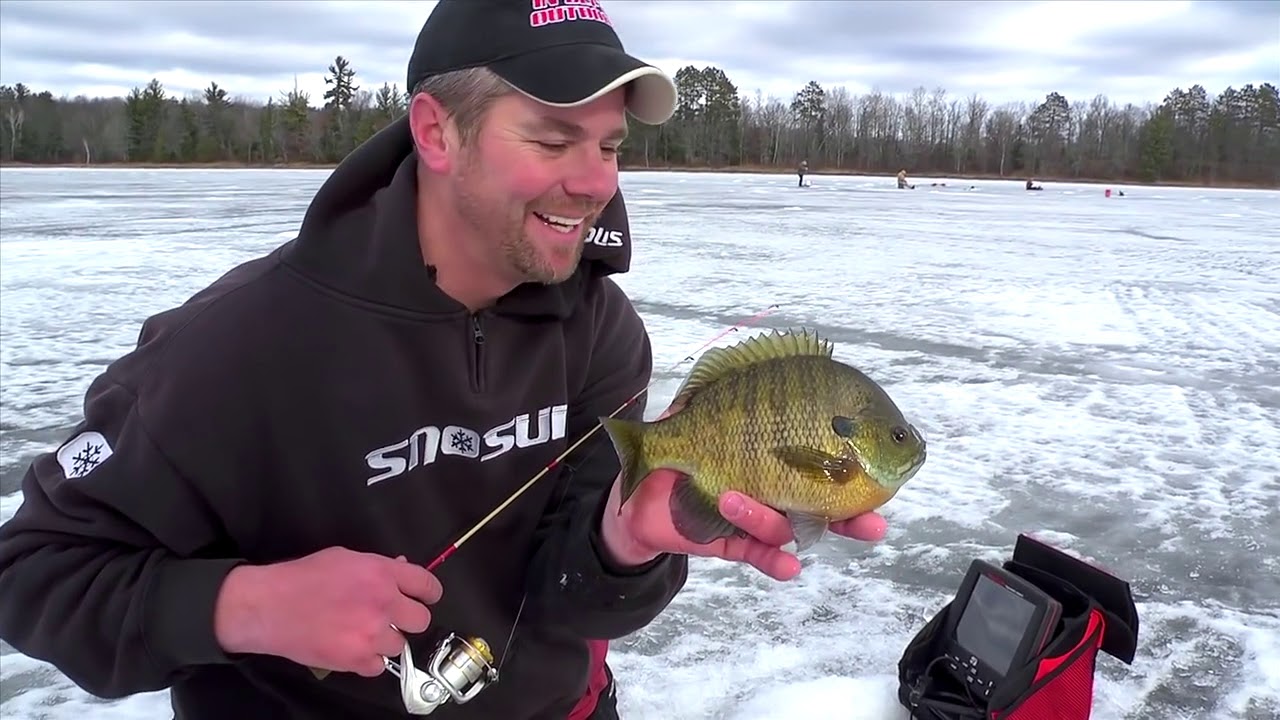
476	332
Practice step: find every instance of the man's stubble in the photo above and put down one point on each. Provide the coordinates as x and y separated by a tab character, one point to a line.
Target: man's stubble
503	227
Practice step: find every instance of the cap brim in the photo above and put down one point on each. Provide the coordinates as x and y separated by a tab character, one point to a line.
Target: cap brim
573	75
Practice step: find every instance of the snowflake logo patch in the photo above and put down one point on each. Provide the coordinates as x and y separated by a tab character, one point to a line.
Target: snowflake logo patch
461	441
82	454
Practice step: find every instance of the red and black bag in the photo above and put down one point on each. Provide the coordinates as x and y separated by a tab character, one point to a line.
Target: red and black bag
1098	614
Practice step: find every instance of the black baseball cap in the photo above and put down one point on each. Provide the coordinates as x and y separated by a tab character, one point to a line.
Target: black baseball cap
559	52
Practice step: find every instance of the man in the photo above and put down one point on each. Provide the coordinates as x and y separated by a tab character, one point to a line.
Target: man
258	487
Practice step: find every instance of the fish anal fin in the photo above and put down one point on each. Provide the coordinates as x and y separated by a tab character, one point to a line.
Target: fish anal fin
817	464
717	363
695	516
808	529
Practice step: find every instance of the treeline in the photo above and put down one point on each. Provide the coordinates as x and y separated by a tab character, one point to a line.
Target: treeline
1190	136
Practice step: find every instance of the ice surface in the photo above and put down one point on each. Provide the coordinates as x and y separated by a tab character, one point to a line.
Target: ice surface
1102	372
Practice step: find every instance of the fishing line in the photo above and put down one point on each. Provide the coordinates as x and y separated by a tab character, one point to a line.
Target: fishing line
453	547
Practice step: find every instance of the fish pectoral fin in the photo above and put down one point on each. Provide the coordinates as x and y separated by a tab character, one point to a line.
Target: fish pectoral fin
817	464
807	529
696	516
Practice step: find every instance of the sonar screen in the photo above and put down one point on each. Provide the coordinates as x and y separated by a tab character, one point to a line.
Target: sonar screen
1003	622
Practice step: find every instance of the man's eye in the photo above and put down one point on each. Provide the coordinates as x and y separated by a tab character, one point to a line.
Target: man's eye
553	145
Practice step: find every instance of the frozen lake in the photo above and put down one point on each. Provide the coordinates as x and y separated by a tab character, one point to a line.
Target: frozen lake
1104	373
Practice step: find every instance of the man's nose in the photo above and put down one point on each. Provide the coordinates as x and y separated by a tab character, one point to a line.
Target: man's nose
593	173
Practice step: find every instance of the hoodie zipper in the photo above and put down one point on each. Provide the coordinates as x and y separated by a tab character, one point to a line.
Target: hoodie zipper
477	355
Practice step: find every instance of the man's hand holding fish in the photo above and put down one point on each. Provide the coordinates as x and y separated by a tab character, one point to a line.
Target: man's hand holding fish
767	442
645	530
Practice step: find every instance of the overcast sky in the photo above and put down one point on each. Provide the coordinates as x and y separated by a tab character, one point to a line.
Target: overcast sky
1129	51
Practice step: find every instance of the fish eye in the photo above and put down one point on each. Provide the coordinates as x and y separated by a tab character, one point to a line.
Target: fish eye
898	433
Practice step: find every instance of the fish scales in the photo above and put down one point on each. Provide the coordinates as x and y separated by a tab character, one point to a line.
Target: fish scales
779	419
754	411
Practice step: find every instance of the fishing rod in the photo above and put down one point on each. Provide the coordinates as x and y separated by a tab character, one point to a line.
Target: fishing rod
556	462
461	667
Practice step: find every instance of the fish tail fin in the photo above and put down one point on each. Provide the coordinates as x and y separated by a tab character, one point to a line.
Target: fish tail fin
628	442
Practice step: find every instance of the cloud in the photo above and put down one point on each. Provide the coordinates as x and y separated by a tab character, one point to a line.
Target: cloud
1130	51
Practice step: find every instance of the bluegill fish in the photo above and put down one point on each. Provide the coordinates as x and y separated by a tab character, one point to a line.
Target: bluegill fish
778	419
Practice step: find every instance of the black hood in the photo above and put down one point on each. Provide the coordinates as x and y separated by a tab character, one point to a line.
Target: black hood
359	237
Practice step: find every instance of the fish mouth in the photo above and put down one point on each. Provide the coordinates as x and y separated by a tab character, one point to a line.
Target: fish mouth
912	468
909	469
898	475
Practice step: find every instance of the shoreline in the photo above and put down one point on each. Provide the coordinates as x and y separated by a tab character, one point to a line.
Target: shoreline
733	169
923	177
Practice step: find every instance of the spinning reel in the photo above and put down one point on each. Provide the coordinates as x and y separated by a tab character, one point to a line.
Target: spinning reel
459	669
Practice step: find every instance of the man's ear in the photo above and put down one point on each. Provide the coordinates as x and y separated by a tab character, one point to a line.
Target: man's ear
433	132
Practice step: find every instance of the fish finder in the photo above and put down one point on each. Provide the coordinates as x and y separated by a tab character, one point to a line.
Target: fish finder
1000	621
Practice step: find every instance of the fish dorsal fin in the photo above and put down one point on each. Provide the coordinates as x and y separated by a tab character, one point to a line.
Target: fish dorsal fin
716	363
